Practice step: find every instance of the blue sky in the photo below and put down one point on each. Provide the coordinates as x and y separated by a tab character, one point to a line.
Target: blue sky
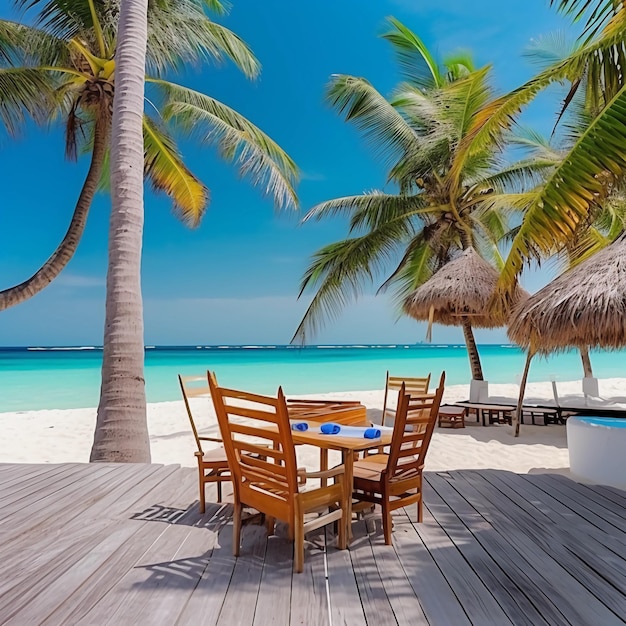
235	279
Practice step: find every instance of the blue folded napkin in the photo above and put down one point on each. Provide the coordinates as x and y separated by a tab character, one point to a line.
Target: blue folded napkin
371	433
350	431
302	426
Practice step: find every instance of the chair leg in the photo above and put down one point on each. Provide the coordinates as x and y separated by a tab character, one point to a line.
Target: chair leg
420	514
236	526
219	490
298	544
387	524
342	532
202	493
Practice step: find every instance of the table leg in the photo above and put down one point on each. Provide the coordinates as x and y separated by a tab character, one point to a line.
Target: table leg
323	465
348	463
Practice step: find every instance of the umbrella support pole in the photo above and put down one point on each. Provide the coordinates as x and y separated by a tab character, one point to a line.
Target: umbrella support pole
520	401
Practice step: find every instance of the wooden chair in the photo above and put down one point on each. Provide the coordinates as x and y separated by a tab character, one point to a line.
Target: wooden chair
272	485
412	386
394	480
212	464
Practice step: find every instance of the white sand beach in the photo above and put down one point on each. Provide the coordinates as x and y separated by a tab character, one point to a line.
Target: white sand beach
64	436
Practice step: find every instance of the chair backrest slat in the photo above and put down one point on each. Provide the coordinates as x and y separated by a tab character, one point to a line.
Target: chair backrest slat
414	424
263	467
412	386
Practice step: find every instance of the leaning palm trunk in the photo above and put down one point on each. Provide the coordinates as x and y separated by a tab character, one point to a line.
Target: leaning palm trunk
584	356
472	350
66	249
121	428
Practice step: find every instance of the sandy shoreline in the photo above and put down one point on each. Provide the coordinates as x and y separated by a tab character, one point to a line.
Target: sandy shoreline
64	436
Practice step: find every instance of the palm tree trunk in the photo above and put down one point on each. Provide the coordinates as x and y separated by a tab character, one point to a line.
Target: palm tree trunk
472	351
121	428
584	356
66	249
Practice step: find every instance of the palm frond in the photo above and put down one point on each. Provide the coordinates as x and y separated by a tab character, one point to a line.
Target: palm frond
417	64
167	172
547	50
593	13
24	92
463	98
370	210
518	176
341	269
382	125
176	39
582	181
415	268
238	140
63	19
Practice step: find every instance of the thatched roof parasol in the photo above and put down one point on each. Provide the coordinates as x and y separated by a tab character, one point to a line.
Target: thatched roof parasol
585	306
461	288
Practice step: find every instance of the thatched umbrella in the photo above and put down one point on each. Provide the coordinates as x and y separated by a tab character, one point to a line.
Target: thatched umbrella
584	307
459	294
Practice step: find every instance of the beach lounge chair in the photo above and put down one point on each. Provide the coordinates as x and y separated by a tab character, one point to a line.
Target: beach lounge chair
393	385
273	485
212	464
394	480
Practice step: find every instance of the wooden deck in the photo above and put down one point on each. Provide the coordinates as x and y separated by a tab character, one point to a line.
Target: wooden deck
124	544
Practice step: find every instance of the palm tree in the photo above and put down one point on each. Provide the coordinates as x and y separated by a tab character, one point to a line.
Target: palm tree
121	430
575	191
427	220
63	68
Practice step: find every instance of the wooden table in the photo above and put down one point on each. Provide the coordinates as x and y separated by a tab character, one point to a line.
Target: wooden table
347	446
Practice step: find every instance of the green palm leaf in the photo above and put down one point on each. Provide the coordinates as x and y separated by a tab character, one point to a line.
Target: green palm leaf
24	92
382	125
371	210
341	269
167	172
238	140
202	39
417	64
578	184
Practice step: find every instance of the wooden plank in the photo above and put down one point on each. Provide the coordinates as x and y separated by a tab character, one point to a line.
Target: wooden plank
438	601
167	566
598	550
208	596
552	563
471	592
376	605
532	605
309	593
241	598
344	599
274	600
28	490
404	602
596	509
50	579
78	507
77	604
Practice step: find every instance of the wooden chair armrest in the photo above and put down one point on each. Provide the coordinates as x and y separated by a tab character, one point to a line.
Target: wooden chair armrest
330	473
214	439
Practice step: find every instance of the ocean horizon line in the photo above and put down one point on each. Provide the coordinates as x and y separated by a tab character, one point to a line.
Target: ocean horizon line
250	346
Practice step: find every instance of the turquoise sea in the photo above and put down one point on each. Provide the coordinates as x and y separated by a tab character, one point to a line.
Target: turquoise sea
61	378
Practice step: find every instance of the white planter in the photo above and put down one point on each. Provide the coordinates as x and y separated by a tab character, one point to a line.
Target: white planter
479	390
590	387
596	449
